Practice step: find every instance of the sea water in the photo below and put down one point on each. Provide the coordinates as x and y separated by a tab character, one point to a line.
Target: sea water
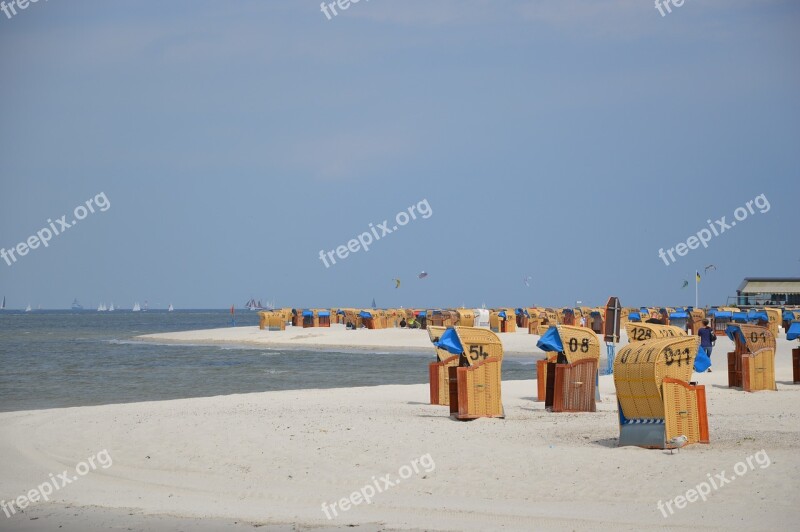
54	359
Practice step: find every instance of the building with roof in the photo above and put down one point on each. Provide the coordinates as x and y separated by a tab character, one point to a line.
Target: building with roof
765	291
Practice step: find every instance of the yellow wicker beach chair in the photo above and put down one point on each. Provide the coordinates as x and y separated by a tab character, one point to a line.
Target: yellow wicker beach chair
475	384
570	380
656	401
751	366
465	317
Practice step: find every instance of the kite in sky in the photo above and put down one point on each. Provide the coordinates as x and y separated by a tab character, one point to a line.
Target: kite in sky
422	275
710	267
527	280
685	284
396	283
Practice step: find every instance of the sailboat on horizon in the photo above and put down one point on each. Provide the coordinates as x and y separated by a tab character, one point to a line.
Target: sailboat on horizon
136	307
3	306
102	308
28	308
111	308
170	309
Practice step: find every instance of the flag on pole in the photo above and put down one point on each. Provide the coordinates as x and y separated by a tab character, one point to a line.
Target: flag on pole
698	276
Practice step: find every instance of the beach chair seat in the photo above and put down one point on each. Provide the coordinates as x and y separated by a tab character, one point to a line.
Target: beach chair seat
475	386
751	366
656	400
438	371
570	381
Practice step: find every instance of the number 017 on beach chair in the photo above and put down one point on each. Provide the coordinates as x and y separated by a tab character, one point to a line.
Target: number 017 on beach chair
474	384
656	400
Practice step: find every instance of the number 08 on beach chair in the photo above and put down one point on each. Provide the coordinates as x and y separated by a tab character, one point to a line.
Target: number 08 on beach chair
656	400
568	383
474	384
751	366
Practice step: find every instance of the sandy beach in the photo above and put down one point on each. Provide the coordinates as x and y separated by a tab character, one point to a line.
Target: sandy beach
272	459
335	337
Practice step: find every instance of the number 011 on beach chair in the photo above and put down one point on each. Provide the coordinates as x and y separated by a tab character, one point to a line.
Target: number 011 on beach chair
474	384
656	400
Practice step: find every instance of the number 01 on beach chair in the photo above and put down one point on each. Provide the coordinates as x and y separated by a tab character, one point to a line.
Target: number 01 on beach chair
657	403
474	383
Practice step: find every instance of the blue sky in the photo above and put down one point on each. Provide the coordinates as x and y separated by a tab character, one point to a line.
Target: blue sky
564	140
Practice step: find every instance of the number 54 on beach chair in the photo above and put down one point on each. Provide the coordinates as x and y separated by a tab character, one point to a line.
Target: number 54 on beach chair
474	384
657	403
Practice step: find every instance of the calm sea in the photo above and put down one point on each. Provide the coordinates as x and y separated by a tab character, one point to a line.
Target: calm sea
63	358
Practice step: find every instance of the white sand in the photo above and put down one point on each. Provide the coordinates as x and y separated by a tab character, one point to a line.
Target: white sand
274	457
334	337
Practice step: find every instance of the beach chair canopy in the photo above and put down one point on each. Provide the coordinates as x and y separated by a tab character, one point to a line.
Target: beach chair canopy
308	313
679	314
364	315
794	331
550	341
449	342
723	314
755	315
324	314
634	316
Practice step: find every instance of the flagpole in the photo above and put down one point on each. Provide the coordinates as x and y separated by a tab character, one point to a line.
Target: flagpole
696	283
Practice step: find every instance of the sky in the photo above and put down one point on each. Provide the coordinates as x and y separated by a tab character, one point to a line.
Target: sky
230	144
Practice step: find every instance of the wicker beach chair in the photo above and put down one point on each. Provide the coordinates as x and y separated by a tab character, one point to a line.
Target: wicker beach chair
568	383
751	366
465	317
656	400
475	384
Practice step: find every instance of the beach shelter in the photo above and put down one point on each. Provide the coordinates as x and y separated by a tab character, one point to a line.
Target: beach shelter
634	316
568	383
324	318
595	320
438	371
751	366
793	333
521	315
568	317
475	384
502	321
481	318
790	316
679	318
656	400
774	320
465	317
